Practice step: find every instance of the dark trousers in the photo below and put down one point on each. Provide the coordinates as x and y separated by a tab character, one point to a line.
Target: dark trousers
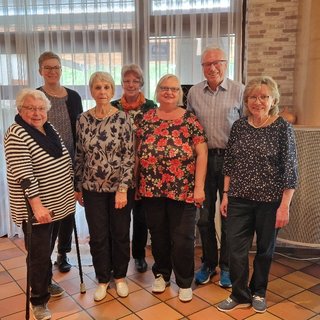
206	223
65	235
108	227
171	224
42	243
140	230
244	218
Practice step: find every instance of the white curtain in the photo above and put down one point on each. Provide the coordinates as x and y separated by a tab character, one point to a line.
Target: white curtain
162	36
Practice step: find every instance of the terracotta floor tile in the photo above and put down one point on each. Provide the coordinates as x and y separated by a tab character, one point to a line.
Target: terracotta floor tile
143	279
62	307
290	310
9	289
131	317
160	311
170	292
264	316
110	310
295	264
86	300
301	279
187	308
78	316
308	300
317	317
279	270
315	289
18	273
15	316
5	277
10	253
16	262
72	286
11	305
210	313
139	300
211	293
284	288
313	270
7	244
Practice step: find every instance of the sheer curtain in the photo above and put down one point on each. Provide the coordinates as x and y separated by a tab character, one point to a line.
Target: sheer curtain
162	36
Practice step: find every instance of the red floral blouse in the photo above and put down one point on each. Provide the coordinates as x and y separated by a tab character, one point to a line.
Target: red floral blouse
167	155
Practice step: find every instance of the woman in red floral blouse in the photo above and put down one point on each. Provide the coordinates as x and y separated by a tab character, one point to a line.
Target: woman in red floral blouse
172	156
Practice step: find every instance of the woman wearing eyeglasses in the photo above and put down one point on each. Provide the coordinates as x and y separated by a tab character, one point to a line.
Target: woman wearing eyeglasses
39	163
66	105
260	168
172	158
135	104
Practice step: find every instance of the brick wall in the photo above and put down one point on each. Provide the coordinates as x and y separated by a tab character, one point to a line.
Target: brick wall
271	43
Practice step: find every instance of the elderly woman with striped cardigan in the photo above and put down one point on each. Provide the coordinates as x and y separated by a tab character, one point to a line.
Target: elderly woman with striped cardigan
38	166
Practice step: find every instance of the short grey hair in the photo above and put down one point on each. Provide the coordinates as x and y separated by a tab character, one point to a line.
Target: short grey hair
272	86
213	48
164	78
102	76
134	68
36	94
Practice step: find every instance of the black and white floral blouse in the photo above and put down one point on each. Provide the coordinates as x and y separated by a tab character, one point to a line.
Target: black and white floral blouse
261	162
104	159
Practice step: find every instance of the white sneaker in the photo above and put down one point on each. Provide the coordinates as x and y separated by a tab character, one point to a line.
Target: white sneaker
185	294
122	288
101	291
159	285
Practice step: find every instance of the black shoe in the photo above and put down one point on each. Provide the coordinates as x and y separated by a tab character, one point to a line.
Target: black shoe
141	265
63	264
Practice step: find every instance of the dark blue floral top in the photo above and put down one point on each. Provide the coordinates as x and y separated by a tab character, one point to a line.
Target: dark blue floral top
261	162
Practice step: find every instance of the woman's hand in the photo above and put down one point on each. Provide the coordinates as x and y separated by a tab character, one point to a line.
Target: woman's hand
224	205
79	198
43	215
121	200
198	195
282	217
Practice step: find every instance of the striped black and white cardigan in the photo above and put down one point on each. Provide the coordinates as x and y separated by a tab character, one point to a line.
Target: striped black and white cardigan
51	179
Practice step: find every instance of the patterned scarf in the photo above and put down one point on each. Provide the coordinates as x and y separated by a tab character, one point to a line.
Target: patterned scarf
49	142
133	105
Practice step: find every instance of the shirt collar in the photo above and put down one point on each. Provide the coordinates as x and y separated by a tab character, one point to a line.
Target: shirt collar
222	86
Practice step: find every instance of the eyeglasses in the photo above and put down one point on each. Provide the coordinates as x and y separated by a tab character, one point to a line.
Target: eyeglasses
216	63
34	108
48	68
128	82
172	89
261	98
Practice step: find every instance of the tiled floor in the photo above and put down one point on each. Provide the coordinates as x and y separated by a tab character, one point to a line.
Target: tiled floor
294	292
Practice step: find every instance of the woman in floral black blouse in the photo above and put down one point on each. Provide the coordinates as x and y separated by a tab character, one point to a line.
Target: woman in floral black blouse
104	165
172	155
260	169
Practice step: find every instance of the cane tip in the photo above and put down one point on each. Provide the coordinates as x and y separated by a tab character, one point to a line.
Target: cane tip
82	288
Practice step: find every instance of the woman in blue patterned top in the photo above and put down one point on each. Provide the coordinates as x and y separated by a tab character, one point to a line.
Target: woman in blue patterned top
104	164
260	171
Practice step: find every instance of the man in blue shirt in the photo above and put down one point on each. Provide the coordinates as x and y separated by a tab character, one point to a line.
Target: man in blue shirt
217	102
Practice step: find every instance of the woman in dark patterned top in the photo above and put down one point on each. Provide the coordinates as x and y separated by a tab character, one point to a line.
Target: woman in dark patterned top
135	104
260	169
172	154
104	164
39	163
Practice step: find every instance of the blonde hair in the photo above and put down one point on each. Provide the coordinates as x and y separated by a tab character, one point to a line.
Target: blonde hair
102	76
164	78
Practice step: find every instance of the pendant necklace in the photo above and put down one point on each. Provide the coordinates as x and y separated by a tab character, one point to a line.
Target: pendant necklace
261	125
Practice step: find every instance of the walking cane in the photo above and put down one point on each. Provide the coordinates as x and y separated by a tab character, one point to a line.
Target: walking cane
82	284
25	184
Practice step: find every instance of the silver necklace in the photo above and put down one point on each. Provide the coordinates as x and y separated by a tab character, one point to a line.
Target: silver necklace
104	117
261	125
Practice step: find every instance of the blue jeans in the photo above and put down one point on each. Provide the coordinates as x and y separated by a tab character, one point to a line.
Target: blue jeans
109	234
244	218
171	224
206	224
